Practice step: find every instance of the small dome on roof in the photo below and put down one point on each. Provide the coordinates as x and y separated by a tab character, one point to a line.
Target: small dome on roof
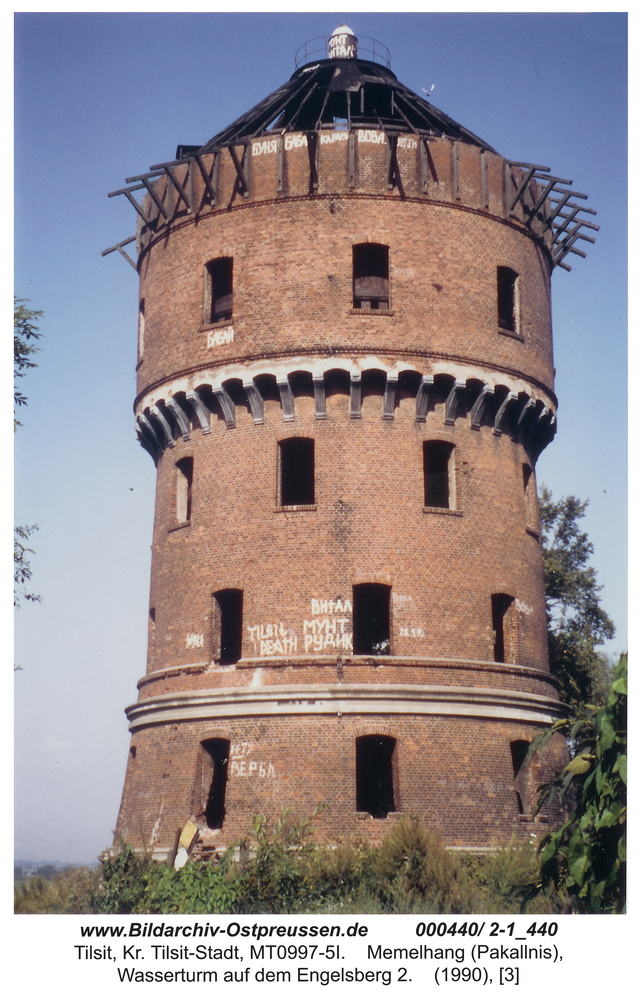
342	29
343	44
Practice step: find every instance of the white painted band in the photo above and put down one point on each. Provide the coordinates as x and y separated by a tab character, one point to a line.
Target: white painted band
344	699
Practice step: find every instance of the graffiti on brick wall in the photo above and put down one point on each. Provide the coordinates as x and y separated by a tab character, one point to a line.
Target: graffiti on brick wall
402	603
215	338
297	140
321	634
524	609
329	627
194	640
327	138
243	767
272	639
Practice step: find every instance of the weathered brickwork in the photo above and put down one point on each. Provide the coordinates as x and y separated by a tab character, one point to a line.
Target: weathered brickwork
455	688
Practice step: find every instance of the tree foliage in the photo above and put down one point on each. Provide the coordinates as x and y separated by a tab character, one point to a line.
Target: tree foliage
21	565
576	621
25	330
586	858
277	868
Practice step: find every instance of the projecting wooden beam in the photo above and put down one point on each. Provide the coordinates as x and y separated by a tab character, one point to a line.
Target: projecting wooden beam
244	183
352	159
393	173
118	247
312	150
208	181
280	162
484	179
127	193
455	169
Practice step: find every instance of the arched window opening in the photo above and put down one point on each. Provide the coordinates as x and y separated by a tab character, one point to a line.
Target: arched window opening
220	289
521	775
530	497
502	619
184	485
438	474
296	474
371	620
507	299
141	329
227	626
374	775
370	276
216	767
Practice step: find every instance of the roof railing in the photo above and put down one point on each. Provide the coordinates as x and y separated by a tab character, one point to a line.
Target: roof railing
318	48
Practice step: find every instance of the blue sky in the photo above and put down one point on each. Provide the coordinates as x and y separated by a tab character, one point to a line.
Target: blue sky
101	97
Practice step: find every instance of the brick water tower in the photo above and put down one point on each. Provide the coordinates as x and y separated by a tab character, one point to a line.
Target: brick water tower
345	378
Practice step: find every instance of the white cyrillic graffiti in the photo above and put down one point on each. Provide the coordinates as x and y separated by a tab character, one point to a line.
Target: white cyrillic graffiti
295	141
217	337
328	137
194	640
371	135
406	142
411	633
526	609
266	146
326	633
252	769
243	768
330	607
402	601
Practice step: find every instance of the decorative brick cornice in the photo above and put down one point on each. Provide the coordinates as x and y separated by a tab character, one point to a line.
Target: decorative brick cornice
509	405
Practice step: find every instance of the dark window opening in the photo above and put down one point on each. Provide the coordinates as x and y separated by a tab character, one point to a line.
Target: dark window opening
184	469
221	288
374	775
530	497
519	751
370	276
500	606
371	628
152	615
141	328
297	474
227	626
507	299
437	474
218	751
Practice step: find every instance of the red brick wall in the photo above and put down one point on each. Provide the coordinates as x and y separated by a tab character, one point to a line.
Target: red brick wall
292	256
